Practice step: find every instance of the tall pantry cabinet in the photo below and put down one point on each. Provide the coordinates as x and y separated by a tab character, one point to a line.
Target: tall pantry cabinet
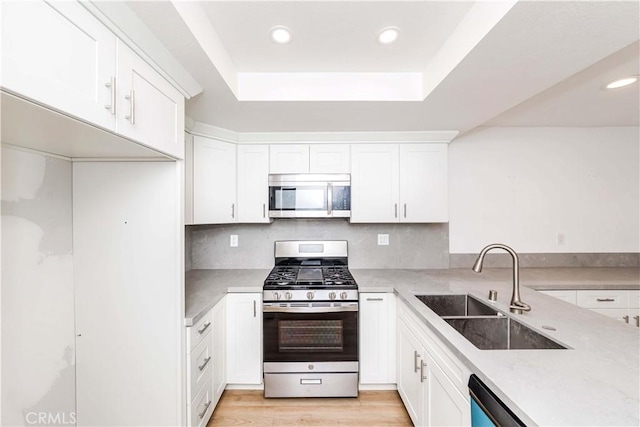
120	124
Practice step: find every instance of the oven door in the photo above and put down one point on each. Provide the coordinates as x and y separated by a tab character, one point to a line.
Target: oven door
310	332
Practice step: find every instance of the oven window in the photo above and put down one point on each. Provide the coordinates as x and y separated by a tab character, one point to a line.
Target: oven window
310	335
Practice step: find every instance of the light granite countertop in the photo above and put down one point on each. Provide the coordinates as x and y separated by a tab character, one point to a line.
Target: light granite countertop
594	382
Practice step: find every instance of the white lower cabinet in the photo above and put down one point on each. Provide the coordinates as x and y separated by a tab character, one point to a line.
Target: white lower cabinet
206	356
377	326
200	368
431	383
244	338
623	305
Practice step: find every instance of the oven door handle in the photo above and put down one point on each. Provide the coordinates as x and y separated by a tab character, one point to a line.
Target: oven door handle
271	309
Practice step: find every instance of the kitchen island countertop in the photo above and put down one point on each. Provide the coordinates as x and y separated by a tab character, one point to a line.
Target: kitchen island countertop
594	382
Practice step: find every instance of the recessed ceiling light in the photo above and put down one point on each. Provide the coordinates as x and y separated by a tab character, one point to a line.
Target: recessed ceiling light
626	81
388	35
281	35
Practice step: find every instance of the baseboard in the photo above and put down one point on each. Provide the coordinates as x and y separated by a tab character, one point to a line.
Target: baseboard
244	387
367	387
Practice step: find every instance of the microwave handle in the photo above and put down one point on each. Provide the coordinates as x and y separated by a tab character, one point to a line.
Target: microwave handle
329	199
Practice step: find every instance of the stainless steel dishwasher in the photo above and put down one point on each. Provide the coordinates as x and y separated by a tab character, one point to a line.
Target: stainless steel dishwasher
487	409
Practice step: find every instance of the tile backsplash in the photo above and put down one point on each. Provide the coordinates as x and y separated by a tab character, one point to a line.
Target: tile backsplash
410	245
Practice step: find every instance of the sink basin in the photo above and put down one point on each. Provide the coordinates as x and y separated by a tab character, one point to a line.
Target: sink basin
501	333
457	305
484	326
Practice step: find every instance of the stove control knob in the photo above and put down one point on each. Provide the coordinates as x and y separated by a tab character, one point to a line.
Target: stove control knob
310	295
276	296
343	295
288	295
332	295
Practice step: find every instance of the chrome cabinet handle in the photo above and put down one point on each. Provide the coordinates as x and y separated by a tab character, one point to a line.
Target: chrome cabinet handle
605	299
132	107
422	377
405	210
264	211
204	327
111	84
206	407
395	210
374	299
206	362
233	210
625	318
416	356
637	319
255	312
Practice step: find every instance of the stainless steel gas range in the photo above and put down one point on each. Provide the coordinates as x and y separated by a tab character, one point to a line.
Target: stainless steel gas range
310	322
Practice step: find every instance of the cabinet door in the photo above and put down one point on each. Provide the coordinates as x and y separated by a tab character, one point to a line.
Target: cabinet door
59	55
214	181
445	405
377	338
329	158
219	337
374	183
129	320
149	109
293	158
409	386
423	183
253	183
244	338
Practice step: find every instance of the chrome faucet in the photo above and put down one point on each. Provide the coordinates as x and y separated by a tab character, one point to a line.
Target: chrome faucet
516	305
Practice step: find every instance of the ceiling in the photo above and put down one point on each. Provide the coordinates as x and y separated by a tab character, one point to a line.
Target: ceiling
455	66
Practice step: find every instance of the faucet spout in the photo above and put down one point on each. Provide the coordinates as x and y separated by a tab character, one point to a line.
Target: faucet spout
517	305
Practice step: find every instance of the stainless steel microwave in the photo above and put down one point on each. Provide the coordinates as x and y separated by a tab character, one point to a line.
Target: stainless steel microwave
309	195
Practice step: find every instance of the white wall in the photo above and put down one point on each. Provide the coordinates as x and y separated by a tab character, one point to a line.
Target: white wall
38	354
523	186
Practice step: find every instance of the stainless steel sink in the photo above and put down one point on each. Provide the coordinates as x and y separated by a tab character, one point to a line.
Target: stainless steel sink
457	305
485	327
500	333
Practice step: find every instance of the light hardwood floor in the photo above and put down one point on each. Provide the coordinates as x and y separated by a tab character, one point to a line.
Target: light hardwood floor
370	408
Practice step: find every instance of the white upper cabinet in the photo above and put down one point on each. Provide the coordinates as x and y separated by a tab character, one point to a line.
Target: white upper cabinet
289	158
253	191
399	183
375	177
330	158
214	181
423	183
149	109
310	158
59	55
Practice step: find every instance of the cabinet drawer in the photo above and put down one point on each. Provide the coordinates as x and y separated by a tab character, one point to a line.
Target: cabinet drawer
603	299
200	367
201	408
568	296
198	331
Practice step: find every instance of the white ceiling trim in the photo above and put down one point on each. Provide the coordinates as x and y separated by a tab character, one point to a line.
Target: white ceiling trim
196	19
476	24
206	130
329	87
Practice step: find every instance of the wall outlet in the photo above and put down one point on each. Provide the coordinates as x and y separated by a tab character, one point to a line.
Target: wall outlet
383	240
233	240
561	239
